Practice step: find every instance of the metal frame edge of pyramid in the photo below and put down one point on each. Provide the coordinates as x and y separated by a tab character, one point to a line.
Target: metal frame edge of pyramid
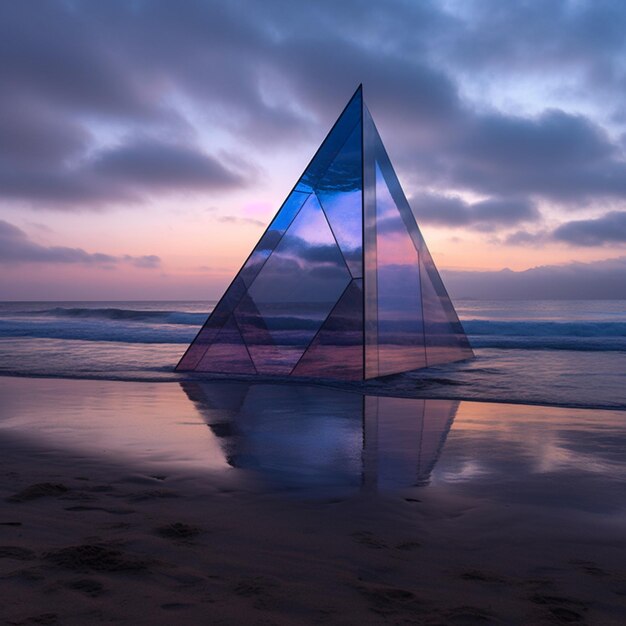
341	284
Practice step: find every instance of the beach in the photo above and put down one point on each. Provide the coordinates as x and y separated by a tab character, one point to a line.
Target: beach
231	503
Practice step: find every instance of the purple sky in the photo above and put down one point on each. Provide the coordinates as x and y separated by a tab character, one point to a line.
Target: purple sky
144	145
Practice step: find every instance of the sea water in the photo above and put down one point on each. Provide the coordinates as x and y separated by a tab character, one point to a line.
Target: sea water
569	353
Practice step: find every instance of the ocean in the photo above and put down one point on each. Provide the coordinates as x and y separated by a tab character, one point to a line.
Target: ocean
569	353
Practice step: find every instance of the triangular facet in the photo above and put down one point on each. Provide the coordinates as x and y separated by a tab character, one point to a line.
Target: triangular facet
227	353
400	322
410	321
337	350
339	133
444	337
299	285
340	194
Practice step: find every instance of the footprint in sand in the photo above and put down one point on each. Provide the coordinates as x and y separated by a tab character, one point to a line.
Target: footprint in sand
17	553
560	608
387	601
483	577
87	586
179	530
408	545
367	539
97	557
589	567
38	490
113	511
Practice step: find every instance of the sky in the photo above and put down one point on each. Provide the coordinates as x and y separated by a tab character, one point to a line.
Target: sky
145	145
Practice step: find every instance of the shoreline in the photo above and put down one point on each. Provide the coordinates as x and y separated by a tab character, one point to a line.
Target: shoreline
299	382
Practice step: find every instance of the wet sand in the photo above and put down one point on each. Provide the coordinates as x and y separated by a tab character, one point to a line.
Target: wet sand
119	503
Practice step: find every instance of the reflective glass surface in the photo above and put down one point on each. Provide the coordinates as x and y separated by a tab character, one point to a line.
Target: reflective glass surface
400	324
272	236
369	246
337	137
444	336
340	194
227	353
298	286
341	285
337	350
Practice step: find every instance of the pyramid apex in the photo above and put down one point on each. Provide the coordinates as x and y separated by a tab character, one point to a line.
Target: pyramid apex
357	92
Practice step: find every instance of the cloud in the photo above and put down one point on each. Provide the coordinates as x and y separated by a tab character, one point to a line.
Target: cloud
525	238
128	172
594	280
151	71
608	229
17	248
556	155
155	164
232	219
148	261
583	40
487	214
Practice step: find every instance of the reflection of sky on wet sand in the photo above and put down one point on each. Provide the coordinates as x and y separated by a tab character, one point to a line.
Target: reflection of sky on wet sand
315	439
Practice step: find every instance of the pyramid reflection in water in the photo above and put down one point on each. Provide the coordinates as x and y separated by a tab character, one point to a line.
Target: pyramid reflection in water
339	439
341	284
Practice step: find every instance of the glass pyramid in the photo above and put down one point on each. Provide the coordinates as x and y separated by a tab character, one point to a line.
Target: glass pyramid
341	284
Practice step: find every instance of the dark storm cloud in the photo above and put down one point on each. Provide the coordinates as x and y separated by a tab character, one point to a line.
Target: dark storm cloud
608	229
274	74
32	133
556	155
16	247
127	172
150	163
601	279
585	36
484	215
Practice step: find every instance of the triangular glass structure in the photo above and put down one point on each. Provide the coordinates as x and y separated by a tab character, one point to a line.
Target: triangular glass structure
341	285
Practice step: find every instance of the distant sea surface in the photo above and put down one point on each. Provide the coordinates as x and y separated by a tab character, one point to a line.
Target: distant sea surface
569	353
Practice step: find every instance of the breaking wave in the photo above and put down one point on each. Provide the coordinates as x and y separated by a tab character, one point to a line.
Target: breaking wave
128	325
132	315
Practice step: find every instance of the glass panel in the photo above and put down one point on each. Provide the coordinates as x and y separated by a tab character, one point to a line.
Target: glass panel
400	326
266	356
393	185
444	336
227	353
272	236
369	243
212	326
299	284
337	350
447	341
335	139
247	274
340	194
